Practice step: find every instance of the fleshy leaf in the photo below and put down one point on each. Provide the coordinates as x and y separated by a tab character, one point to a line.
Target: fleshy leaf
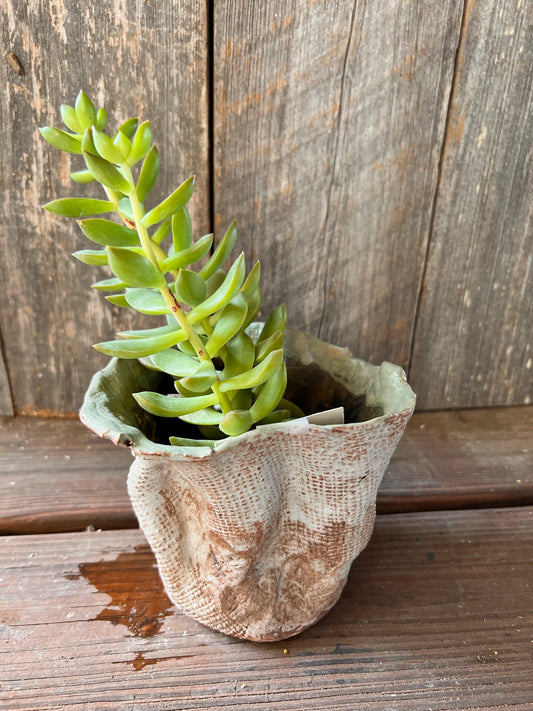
170	406
270	394
181	230
236	422
178	199
175	363
141	143
190	287
108	233
85	110
207	416
222	251
95	257
105	147
78	207
256	376
108	284
146	301
61	139
225	292
140	347
148	174
135	269
228	325
184	257
107	174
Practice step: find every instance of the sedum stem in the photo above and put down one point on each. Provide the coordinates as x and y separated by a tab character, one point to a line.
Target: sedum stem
170	298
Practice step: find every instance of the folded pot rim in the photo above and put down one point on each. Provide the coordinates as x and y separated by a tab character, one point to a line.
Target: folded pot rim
99	416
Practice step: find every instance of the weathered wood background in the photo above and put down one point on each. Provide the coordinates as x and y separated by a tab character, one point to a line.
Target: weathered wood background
376	155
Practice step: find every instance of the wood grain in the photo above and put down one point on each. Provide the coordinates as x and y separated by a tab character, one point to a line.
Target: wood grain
140	58
6	404
437	613
57	476
473	344
329	119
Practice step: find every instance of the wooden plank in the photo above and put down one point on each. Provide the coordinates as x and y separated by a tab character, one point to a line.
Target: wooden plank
437	613
329	119
6	404
146	58
57	476
473	343
461	459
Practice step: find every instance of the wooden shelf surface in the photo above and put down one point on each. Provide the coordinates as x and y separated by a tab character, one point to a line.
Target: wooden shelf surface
56	476
437	614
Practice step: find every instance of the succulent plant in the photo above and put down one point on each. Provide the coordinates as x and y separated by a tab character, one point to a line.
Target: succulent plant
225	382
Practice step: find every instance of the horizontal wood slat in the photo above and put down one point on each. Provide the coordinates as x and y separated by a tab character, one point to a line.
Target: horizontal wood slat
57	476
437	614
146	59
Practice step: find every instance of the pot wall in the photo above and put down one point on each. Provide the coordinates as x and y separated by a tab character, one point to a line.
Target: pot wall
256	537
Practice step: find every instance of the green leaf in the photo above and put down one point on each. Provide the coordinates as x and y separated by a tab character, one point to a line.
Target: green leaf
222	251
272	343
277	321
140	347
108	284
68	114
186	442
192	254
181	230
226	291
61	139
107	174
141	143
270	394
95	257
214	281
129	127
189	287
252	280
256	376
254	304
122	143
175	363
274	417
78	207
161	232
236	422
85	110
101	119
109	233
135	269
104	146
207	416
228	325
82	176
125	210
178	199
170	406
146	301
149	332
240	355
148	174
202	379
118	300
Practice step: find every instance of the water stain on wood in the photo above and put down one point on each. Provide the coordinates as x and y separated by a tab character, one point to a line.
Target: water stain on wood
138	600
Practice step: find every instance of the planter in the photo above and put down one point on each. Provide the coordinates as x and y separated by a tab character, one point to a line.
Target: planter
255	538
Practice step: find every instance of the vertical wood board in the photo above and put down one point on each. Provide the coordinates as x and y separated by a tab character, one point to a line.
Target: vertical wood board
145	59
329	118
474	341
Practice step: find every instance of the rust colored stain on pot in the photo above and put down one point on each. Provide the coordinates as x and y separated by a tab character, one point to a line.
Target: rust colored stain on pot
140	607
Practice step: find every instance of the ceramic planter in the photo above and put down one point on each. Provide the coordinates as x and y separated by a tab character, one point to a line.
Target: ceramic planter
256	537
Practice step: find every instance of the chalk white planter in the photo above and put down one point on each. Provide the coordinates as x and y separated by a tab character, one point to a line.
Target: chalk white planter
256	537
